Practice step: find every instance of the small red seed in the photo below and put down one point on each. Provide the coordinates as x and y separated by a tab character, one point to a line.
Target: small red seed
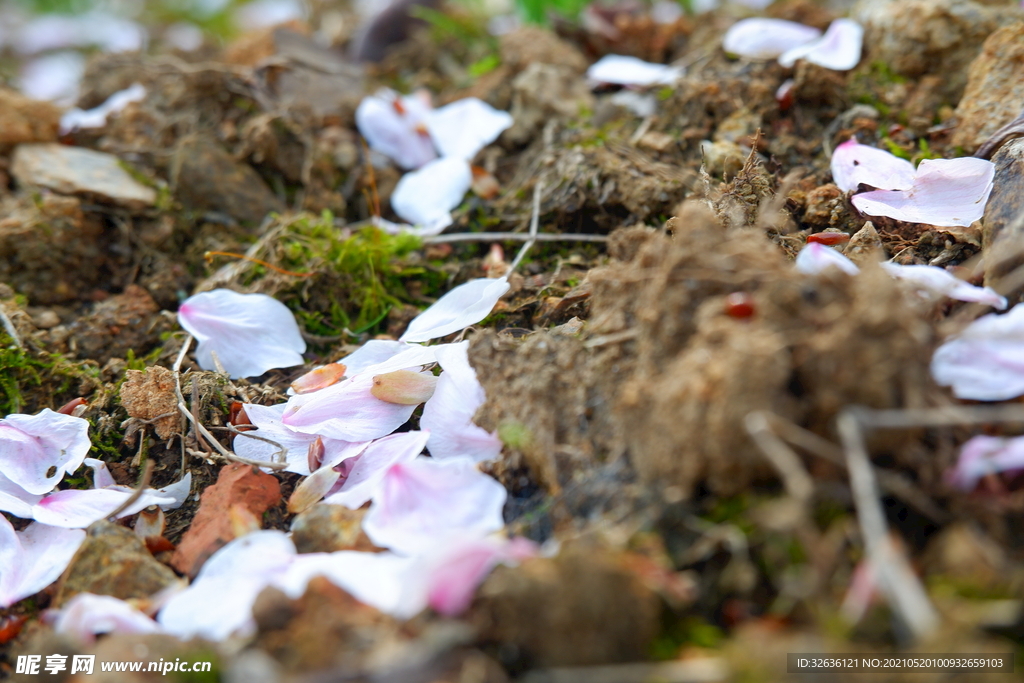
829	239
739	305
10	627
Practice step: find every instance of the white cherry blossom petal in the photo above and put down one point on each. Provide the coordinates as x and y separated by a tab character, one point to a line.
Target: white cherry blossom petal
454	574
466	126
839	49
77	509
347	411
250	333
30	445
86	616
854	163
940	281
32	559
946	192
421	503
465	305
426	197
816	258
396	126
369	469
983	455
373	352
448	415
763	38
76	118
623	70
15	499
985	362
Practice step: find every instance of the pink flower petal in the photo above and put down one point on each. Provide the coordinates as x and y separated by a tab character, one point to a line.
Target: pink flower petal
761	38
454	576
371	353
854	163
347	411
250	333
86	616
30	445
466	126
76	509
945	283
395	126
623	70
425	197
947	192
448	415
369	469
423	502
101	477
15	499
32	559
466	305
816	258
984	455
985	362
839	49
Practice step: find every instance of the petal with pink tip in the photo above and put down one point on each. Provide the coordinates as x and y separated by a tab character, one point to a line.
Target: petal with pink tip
426	197
946	192
466	126
762	38
368	469
395	126
816	258
30	445
839	49
466	305
448	415
423	502
347	411
32	559
624	70
15	499
854	163
77	509
944	283
983	455
985	362
86	616
175	494
460	568
249	333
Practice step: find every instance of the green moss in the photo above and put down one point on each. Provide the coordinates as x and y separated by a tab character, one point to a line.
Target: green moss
515	435
31	381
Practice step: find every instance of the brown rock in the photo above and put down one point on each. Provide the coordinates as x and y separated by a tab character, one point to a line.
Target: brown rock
995	88
129	321
941	37
865	245
211	528
113	561
26	120
209	179
79	171
150	393
328	528
544	91
1003	234
820	203
580	608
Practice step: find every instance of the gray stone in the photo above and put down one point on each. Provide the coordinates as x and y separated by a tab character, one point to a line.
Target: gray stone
79	171
1003	236
995	88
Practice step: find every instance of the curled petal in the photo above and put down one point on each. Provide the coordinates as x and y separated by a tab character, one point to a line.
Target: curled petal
816	258
984	455
32	559
946	192
466	305
839	49
761	38
249	333
404	387
985	362
943	282
319	378
448	415
312	489
424	502
30	445
86	616
394	126
623	70
15	499
368	470
426	197
463	128
854	163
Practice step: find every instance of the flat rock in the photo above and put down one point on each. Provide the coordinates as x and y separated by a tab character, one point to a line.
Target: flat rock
995	88
79	171
210	179
113	561
211	529
329	528
26	120
1003	235
941	37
